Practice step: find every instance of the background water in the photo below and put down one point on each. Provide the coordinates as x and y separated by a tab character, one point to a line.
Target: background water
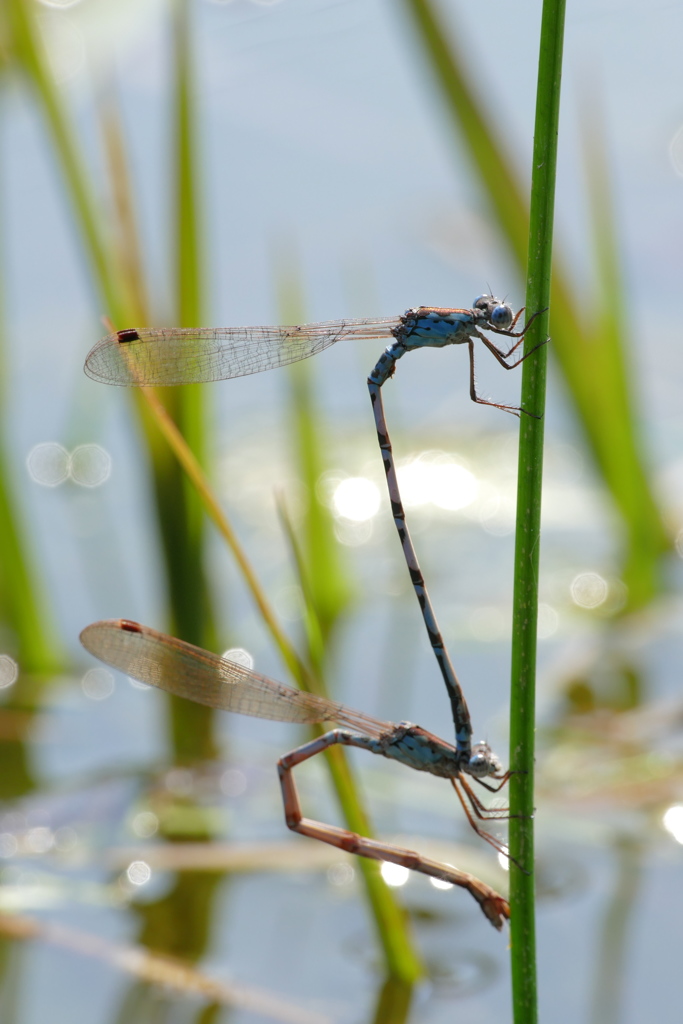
325	152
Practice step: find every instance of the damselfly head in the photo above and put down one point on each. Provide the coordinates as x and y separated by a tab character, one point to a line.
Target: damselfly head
483	762
499	314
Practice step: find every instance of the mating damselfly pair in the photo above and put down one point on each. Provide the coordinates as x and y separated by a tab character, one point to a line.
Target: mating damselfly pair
142	357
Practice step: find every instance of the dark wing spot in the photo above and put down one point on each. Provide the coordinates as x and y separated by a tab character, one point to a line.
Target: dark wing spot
130	334
130	627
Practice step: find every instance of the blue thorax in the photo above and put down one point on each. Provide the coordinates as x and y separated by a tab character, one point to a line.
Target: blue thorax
434	330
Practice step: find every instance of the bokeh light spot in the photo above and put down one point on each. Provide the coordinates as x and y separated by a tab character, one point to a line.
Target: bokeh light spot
39	840
48	464
452	486
340	874
9	671
437	479
90	465
145	824
98	684
356	498
394	875
672	820
589	590
139	872
239	656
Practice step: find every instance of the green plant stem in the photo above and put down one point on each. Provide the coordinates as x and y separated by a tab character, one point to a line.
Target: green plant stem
401	960
527	537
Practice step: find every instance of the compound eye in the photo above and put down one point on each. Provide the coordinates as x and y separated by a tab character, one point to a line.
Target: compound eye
501	316
479	765
482	302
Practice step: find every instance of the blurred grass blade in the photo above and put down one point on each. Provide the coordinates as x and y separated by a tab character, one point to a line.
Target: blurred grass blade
528	528
330	588
315	642
319	553
610	345
179	508
594	365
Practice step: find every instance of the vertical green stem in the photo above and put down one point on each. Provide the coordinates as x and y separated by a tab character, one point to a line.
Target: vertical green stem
527	540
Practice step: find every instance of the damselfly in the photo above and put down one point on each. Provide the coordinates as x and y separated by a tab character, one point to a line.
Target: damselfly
186	356
187	671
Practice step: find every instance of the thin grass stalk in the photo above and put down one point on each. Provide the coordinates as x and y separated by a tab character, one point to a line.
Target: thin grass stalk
594	365
400	958
129	257
527	536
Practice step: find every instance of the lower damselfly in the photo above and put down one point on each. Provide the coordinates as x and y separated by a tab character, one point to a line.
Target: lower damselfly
191	672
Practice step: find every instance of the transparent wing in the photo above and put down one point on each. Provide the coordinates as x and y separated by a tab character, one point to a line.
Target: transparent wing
188	671
190	356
